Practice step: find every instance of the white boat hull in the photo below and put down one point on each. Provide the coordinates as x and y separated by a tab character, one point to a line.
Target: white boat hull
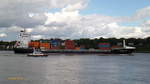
37	55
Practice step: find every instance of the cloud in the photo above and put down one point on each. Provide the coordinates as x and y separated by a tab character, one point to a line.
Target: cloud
74	25
3	35
36	17
74	7
142	13
70	13
19	12
139	15
35	37
146	28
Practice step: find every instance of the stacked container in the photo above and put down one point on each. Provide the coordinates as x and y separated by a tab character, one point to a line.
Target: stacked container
55	44
115	47
34	44
69	44
45	45
104	46
77	48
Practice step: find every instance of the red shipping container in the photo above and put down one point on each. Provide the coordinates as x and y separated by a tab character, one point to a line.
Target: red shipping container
69	44
105	48
104	43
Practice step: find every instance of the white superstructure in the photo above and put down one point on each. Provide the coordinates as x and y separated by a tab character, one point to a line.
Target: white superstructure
24	39
127	47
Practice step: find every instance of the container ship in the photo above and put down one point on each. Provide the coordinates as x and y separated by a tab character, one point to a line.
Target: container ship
21	45
24	45
68	47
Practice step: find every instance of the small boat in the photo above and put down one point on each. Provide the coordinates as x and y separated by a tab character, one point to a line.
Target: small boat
37	54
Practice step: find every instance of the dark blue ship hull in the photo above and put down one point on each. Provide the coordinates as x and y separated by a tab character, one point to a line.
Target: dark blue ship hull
23	50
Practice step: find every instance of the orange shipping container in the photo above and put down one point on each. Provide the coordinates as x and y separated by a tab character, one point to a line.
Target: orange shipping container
34	44
45	45
77	48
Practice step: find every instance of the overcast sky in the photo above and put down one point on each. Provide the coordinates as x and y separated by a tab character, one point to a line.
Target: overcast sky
75	18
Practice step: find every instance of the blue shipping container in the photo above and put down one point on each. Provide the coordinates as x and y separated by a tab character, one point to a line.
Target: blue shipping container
55	43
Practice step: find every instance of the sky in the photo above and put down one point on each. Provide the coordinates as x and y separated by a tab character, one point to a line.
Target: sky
74	19
116	7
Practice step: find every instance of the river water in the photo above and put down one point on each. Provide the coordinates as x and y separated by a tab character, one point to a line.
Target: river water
74	69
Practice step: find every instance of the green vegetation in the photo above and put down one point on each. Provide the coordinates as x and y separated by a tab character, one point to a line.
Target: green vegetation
5	45
141	44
